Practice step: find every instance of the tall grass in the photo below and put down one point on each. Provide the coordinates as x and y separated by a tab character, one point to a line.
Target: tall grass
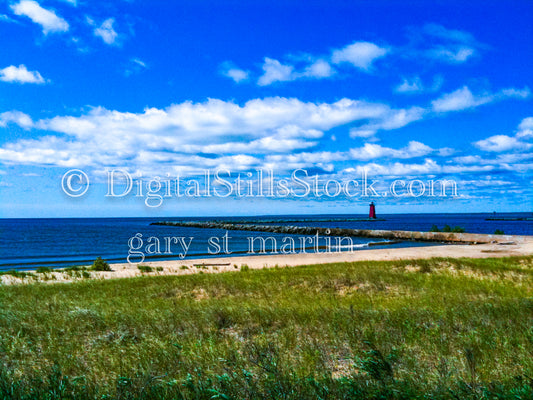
439	328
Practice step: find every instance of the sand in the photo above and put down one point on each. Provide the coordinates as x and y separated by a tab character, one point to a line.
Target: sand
516	246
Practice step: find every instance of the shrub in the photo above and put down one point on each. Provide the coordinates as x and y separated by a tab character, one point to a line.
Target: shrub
145	268
245	268
458	229
159	269
499	232
434	228
100	265
43	270
447	228
18	274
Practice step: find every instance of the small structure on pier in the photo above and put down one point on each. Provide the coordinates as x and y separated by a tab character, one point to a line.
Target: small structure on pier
372	212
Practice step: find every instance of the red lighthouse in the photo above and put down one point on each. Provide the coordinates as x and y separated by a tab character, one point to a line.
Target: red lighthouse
372	212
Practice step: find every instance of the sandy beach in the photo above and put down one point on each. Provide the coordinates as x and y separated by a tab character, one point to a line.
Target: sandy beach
505	247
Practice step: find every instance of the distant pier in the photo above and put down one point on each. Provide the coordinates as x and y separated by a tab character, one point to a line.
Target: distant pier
443	237
509	219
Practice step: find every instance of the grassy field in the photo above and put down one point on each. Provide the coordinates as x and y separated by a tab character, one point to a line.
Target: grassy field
440	328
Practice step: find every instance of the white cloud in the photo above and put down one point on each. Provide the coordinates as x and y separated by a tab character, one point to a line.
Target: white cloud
514	145
274	71
415	85
20	74
516	93
136	65
359	54
318	69
231	71
49	20
525	129
6	18
16	117
410	86
139	62
454	56
448	34
184	131
447	45
499	143
106	32
389	120
463	99
71	2
373	151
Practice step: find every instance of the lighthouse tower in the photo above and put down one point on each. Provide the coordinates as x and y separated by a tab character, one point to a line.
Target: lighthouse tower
372	212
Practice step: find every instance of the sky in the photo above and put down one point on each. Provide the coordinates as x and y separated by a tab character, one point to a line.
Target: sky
415	92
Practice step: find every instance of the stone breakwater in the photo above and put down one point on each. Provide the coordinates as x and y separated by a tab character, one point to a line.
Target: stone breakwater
443	237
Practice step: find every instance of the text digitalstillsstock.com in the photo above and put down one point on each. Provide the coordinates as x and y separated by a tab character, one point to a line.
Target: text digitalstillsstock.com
261	184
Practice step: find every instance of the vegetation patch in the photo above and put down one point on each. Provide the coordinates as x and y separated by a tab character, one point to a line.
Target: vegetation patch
409	329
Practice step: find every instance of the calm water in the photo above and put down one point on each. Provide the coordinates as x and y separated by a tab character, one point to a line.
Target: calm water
27	243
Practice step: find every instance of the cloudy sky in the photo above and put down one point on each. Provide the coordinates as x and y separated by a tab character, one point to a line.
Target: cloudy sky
412	91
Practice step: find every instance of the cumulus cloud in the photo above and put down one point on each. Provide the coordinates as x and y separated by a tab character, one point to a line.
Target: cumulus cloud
16	117
410	86
499	143
274	71
20	74
360	54
415	85
230	70
503	143
388	120
372	151
446	45
106	32
49	20
188	130
455	56
318	69
525	129
463	98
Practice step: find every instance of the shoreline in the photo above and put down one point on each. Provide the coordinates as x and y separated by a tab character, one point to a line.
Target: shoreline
507	246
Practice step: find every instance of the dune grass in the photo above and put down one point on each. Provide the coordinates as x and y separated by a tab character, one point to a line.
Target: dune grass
440	328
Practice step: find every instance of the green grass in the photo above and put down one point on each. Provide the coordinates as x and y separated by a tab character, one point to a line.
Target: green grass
145	268
440	329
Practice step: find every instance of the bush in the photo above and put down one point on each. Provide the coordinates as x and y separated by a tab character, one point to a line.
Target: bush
499	232
100	265
245	268
18	274
145	268
447	228
43	270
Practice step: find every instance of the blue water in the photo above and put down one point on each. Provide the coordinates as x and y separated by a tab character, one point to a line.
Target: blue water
27	243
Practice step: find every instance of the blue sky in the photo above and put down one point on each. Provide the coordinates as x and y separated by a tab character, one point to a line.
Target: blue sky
427	90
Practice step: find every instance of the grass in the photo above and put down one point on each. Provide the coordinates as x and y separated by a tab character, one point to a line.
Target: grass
440	329
145	268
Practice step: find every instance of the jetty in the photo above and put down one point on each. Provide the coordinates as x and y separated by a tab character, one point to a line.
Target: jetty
443	237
